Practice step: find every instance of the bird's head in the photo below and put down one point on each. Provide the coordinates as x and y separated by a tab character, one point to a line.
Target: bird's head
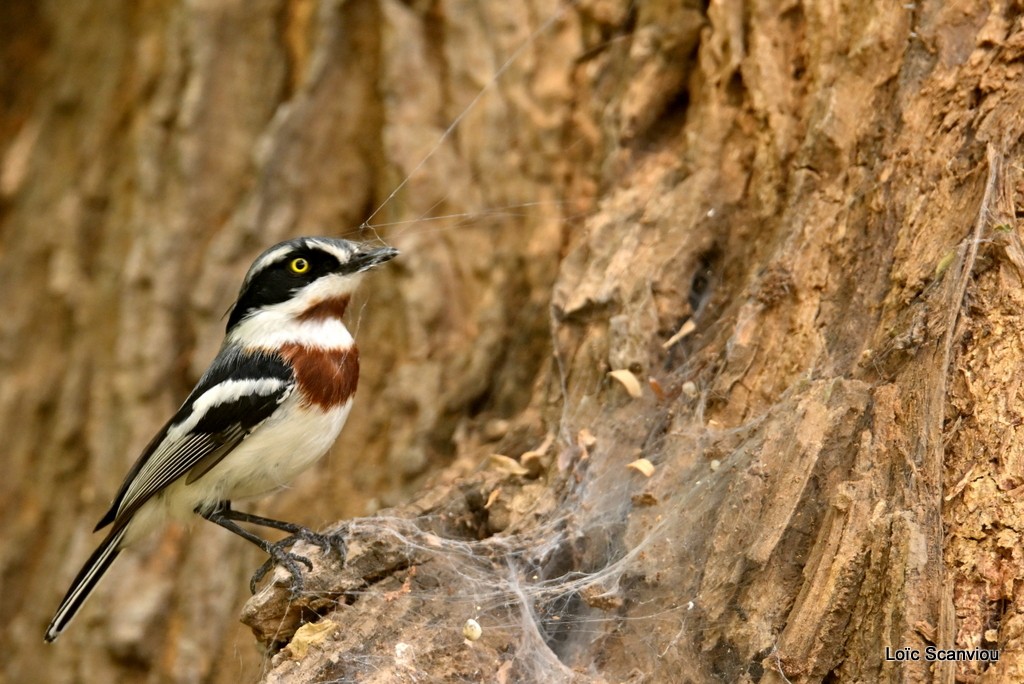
302	279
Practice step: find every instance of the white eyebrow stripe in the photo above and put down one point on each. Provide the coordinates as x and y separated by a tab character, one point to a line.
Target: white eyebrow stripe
271	257
343	255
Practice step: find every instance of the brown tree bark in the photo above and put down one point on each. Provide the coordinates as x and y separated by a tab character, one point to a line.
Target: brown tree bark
699	364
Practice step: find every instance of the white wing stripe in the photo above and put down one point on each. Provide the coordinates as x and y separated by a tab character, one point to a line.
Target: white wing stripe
225	393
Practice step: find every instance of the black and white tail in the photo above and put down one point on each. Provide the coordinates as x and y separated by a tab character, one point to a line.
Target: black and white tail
87	579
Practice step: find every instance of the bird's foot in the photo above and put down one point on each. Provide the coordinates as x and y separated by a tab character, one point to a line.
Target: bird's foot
289	561
327	542
280	556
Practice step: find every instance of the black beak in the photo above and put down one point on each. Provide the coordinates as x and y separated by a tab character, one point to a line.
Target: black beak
368	258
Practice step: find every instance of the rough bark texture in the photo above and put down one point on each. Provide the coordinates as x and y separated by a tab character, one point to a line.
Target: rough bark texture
789	229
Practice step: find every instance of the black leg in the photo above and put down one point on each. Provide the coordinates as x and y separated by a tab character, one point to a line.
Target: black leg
228	518
290	528
276	550
327	542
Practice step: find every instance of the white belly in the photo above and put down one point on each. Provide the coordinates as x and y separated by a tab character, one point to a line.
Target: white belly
274	454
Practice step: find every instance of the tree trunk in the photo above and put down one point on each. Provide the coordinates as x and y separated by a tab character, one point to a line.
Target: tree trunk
700	362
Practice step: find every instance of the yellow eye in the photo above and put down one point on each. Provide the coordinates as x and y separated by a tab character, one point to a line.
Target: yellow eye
299	265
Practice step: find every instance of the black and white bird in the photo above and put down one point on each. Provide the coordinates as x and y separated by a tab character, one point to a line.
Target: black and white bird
271	403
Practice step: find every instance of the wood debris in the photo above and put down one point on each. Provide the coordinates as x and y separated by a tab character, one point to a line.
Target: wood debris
629	381
505	464
688	327
642	466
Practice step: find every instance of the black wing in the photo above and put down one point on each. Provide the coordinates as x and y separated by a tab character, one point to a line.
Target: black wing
236	394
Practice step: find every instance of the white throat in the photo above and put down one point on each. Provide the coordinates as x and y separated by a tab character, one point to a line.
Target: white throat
278	324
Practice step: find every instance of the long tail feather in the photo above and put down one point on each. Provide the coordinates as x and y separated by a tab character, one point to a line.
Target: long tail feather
87	579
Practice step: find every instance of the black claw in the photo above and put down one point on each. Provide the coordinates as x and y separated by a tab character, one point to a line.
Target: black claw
260	573
327	542
302	559
229	518
290	561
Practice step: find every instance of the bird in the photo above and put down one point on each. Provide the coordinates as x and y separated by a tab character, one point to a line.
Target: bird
272	402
